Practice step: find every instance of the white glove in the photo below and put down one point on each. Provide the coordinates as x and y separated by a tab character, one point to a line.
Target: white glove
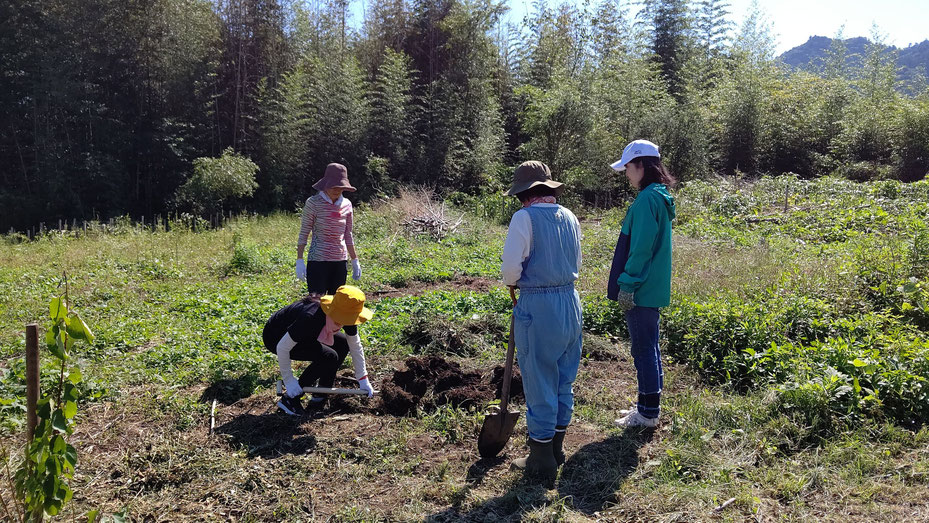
626	300
293	387
365	385
301	269
356	269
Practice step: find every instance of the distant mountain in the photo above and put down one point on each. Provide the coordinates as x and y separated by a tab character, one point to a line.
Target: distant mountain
810	56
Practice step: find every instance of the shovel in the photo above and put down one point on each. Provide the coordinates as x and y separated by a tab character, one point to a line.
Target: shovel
498	424
326	390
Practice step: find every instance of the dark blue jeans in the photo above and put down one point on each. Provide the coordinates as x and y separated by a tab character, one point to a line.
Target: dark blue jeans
643	337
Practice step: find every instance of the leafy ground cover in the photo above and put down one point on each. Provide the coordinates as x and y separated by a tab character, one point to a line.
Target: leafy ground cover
796	349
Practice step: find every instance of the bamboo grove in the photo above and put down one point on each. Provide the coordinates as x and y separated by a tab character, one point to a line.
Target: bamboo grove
112	102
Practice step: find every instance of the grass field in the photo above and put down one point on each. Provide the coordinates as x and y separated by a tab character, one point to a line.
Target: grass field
796	386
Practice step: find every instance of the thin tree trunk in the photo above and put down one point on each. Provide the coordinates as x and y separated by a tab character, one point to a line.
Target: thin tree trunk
22	161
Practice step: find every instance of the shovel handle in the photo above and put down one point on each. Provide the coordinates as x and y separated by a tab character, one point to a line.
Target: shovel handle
327	390
508	367
512	293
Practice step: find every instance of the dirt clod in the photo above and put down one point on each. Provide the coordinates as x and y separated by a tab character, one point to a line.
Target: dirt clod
516	383
396	401
447	382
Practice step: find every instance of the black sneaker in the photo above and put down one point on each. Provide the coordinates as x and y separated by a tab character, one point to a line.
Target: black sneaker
292	406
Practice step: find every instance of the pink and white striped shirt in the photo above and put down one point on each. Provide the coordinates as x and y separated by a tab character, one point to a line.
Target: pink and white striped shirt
331	225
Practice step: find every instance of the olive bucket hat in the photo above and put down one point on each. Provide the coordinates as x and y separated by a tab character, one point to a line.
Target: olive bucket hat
336	176
531	174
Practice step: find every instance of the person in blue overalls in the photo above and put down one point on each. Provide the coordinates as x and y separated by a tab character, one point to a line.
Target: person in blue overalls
542	257
640	276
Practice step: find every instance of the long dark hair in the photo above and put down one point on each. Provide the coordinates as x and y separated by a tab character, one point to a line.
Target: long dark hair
310	298
655	171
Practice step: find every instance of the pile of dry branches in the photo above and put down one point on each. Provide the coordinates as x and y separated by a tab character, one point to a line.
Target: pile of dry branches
424	214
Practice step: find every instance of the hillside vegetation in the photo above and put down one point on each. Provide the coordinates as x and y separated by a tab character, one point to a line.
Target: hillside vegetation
814	55
796	355
235	105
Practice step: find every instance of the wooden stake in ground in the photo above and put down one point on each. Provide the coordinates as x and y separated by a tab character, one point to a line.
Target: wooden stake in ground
213	417
32	380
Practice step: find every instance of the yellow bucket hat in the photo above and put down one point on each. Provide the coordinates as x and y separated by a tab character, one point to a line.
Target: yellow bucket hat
346	306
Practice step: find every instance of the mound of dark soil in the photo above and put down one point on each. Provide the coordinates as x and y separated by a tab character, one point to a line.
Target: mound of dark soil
516	383
396	401
447	382
462	389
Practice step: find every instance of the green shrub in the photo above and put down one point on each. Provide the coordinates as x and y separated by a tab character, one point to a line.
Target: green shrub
491	207
246	259
218	181
602	316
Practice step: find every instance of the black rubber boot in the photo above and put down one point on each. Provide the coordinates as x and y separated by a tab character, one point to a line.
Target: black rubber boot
540	463
558	444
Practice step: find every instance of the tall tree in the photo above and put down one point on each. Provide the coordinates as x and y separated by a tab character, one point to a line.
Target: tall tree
712	29
254	48
286	120
867	136
744	104
393	115
612	35
24	43
670	22
712	26
114	102
460	128
555	45
340	120
387	25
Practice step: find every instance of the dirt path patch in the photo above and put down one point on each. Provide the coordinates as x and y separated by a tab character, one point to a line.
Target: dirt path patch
416	288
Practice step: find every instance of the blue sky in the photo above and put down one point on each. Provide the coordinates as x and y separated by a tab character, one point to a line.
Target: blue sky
903	22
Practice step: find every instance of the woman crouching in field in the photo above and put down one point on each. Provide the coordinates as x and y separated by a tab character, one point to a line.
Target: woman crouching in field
309	330
542	256
640	277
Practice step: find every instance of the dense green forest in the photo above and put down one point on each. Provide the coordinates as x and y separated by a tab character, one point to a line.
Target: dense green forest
112	102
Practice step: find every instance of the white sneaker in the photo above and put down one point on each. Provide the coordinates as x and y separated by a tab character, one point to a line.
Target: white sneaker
626	412
634	419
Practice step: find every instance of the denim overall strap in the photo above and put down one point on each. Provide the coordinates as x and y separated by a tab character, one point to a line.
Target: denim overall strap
552	260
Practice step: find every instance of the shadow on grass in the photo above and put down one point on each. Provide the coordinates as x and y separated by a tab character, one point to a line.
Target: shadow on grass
587	483
478	470
269	435
521	497
592	475
230	390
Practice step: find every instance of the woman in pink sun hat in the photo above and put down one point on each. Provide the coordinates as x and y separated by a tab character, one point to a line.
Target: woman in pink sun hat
328	216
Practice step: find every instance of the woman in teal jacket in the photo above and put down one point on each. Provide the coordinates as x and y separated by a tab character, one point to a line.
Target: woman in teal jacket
640	277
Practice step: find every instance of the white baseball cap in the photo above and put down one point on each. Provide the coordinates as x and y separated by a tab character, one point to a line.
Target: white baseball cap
633	151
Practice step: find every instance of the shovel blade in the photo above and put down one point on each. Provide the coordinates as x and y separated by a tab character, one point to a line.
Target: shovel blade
496	431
